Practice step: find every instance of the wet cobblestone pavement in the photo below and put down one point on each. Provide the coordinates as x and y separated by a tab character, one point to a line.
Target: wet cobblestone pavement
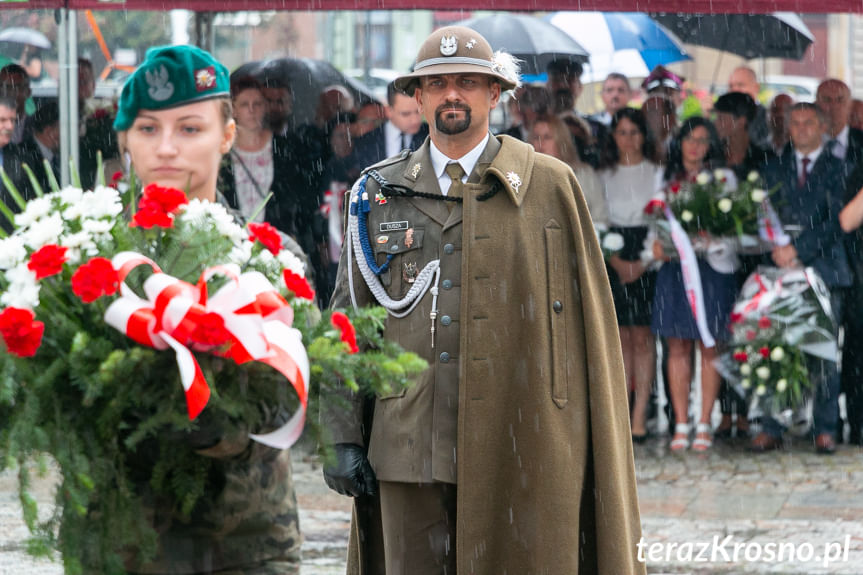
690	504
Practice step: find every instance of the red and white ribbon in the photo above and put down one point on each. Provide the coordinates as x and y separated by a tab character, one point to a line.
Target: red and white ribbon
256	318
691	277
770	227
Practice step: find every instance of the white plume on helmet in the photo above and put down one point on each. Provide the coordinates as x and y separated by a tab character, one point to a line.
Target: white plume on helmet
507	66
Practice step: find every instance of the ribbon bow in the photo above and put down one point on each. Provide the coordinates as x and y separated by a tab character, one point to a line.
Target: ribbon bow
245	320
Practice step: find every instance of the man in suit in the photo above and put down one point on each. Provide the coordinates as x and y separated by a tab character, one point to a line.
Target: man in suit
403	130
810	189
616	94
15	85
42	144
533	101
833	98
7	129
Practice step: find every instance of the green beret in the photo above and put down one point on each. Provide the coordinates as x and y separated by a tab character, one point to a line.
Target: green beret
171	76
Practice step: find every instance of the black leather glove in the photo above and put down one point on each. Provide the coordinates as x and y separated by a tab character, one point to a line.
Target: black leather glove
351	474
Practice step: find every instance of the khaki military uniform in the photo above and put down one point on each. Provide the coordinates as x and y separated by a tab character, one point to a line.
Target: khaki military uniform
523	405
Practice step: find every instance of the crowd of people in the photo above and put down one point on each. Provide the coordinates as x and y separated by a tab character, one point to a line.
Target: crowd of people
808	152
622	157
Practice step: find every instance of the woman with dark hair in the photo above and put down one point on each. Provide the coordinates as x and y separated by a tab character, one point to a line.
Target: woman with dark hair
630	179
695	149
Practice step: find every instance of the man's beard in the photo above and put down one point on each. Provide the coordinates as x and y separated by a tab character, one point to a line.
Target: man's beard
453	126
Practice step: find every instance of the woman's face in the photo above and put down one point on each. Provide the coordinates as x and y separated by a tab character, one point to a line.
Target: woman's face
250	107
629	139
695	146
543	141
181	147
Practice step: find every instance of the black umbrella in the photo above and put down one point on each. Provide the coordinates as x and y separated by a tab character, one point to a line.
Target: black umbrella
530	39
307	78
776	35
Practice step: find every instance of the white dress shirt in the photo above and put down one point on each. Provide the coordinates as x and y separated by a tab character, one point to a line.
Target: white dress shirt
840	148
439	162
395	142
813	157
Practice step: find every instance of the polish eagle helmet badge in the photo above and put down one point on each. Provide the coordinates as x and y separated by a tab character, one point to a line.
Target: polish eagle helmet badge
448	45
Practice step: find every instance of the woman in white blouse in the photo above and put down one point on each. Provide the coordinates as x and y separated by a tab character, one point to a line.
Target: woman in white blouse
630	179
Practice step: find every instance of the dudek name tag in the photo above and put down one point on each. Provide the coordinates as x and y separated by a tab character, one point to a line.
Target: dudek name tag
394	226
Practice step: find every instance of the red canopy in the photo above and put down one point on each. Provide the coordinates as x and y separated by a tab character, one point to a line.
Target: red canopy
687	6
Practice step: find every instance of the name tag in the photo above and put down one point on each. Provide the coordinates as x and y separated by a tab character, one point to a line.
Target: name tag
394	226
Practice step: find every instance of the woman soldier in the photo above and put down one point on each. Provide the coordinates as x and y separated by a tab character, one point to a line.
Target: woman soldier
175	123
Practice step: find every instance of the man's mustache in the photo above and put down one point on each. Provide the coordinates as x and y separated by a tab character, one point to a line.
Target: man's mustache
451	108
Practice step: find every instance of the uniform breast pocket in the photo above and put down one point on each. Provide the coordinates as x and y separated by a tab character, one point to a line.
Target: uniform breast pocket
405	247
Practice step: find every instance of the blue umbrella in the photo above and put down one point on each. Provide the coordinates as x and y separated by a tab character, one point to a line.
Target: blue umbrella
630	43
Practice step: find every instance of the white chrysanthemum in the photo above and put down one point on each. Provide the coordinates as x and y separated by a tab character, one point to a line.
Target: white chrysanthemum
292	263
70	196
724	205
702	179
78	242
781	385
21	295
97	227
45	231
101	203
745	383
719	175
760	390
265	257
241	253
745	369
763	372
612	242
23	289
778	354
758	195
752	177
12	252
686	216
199	212
36	208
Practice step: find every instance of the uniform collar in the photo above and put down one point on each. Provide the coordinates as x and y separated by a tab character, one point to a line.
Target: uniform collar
468	161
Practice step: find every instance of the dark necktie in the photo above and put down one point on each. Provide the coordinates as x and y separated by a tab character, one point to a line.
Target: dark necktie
455	173
804	173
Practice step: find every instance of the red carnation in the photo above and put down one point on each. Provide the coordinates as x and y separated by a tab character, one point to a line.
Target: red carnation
47	261
736	317
750	335
764	322
210	330
741	356
765	352
298	285
654	205
146	218
166	200
267	235
675	187
95	279
349	335
21	333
